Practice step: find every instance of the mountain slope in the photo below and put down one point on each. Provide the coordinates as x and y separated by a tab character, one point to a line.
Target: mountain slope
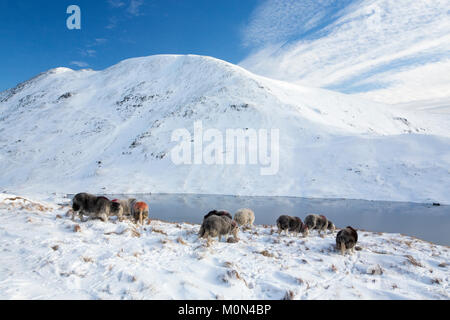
110	131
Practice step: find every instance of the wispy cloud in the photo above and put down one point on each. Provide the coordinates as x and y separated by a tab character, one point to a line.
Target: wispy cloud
365	47
281	20
88	53
97	42
135	7
112	22
129	9
116	3
80	64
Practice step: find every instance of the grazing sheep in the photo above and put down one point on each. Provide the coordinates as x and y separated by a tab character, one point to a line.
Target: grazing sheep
346	239
218	213
127	205
317	222
291	224
140	212
244	217
221	213
217	226
95	207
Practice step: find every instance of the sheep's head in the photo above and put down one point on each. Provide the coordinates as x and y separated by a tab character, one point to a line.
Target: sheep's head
116	208
331	226
305	230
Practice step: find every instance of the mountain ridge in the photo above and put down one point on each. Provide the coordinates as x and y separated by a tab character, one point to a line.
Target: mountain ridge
110	130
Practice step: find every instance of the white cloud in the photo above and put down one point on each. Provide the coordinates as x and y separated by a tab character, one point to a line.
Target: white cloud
370	47
135	7
278	20
80	64
88	52
116	3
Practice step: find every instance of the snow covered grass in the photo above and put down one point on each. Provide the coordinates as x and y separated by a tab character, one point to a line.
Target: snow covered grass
45	255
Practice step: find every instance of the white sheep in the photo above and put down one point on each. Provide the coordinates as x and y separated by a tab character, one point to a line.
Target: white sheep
244	217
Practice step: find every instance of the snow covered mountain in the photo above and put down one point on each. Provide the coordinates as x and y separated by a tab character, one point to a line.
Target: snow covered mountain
110	131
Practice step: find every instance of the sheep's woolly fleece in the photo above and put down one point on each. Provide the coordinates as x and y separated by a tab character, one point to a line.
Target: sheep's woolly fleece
45	255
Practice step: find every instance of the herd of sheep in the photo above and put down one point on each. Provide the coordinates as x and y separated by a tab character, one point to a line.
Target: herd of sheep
215	223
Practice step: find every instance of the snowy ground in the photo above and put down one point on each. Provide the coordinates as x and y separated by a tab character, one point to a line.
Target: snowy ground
43	257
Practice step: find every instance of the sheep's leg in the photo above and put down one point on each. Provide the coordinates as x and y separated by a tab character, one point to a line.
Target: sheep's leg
342	247
104	217
220	238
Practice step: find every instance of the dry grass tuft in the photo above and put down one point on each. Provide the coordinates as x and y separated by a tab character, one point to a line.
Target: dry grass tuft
436	281
379	252
88	259
135	233
408	243
375	270
115	232
266	253
442	265
289	295
181	241
159	231
233	274
76	228
165	241
58	216
333	268
413	261
55	248
232	240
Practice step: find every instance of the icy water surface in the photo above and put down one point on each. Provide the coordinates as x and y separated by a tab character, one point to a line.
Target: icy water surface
423	221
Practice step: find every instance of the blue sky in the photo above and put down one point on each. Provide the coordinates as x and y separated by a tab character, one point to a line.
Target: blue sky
392	51
34	37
